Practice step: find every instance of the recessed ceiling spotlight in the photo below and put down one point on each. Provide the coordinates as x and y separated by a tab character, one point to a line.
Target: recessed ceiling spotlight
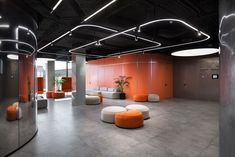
98	43
12	57
52	44
170	22
195	52
199	33
119	56
28	33
0	17
70	34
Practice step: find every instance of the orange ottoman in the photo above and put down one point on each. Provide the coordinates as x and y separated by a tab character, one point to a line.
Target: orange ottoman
99	95
130	119
49	94
11	113
57	95
140	98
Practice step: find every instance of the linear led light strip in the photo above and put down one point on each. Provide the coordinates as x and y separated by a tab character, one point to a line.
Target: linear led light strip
99	10
4	25
151	47
56	54
103	39
28	31
56	5
19	42
96	26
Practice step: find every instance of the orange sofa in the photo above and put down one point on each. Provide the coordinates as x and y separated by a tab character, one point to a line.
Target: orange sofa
67	85
40	85
140	98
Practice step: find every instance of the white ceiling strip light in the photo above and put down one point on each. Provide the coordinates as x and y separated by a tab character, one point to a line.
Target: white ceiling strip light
56	5
151	48
195	52
4	25
96	26
89	17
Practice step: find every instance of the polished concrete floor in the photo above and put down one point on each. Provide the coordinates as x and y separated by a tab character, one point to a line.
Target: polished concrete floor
177	128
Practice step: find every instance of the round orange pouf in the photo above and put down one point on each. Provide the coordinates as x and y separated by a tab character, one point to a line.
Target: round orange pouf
11	113
49	94
140	98
130	119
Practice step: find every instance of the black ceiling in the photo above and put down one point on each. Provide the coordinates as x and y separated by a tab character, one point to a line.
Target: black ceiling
122	15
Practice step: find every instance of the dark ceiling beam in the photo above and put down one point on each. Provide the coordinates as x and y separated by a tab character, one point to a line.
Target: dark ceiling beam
76	7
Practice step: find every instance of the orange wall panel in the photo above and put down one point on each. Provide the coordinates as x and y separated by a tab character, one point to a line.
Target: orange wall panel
150	73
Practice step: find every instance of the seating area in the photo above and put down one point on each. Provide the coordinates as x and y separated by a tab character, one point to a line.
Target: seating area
105	92
130	117
117	78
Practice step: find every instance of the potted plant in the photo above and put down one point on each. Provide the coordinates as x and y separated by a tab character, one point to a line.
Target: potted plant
58	83
122	82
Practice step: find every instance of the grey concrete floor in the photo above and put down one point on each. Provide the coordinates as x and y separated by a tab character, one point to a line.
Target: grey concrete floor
177	128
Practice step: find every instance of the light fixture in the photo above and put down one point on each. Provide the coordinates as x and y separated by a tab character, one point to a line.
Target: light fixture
56	5
95	26
171	22
138	29
12	57
199	33
4	25
45	59
70	34
51	44
99	10
0	17
195	52
119	56
98	43
136	38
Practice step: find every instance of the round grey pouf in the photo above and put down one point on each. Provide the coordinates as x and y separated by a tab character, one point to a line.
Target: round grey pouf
141	108
108	113
153	98
92	100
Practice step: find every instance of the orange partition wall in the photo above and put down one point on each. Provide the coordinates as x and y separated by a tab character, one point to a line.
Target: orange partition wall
40	85
67	85
150	73
26	77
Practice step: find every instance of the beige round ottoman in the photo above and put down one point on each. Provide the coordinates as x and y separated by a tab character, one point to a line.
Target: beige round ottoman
92	100
153	98
141	108
108	113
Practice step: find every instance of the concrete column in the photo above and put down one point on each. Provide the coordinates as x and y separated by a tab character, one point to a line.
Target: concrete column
227	78
50	76
79	81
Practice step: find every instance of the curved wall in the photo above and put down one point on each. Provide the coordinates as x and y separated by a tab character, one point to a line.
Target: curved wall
150	73
17	84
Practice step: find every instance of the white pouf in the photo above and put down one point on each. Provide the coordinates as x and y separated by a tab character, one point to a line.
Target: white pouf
108	113
92	100
153	98
141	108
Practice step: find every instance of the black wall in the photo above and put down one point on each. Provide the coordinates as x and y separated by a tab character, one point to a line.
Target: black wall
192	78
